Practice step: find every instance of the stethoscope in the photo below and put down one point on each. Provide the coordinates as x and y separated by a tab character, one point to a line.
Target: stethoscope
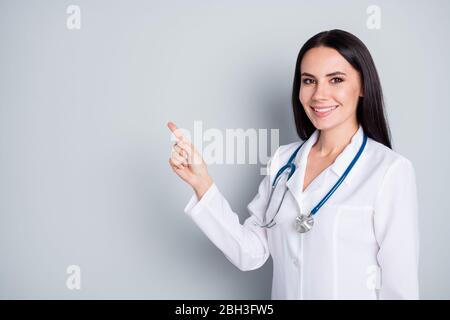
304	223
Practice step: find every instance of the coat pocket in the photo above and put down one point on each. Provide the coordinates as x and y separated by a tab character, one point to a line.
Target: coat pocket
355	224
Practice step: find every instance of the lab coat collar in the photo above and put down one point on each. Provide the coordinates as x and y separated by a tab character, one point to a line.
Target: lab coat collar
295	183
346	156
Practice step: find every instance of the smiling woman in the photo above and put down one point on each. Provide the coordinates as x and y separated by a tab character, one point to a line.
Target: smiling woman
344	179
335	70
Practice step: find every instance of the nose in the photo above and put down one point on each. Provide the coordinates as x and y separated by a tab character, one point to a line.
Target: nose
320	93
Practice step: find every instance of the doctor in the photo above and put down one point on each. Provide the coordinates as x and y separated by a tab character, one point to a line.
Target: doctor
342	221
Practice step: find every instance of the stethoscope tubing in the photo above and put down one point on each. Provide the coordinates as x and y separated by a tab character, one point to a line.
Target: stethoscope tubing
290	166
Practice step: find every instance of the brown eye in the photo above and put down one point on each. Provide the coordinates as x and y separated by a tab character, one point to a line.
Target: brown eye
307	81
339	80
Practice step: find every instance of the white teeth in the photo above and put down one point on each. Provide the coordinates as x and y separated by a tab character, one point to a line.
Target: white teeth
324	109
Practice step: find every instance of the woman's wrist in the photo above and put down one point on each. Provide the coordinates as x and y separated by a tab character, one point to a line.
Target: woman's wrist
202	187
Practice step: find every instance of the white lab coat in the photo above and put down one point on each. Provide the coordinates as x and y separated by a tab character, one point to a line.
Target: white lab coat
365	239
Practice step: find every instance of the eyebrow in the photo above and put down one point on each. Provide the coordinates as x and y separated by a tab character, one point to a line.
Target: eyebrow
336	73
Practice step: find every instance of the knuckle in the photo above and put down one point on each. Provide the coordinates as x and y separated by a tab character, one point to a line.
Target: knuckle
178	157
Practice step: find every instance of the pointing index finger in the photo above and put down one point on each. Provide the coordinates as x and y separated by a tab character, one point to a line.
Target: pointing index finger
175	130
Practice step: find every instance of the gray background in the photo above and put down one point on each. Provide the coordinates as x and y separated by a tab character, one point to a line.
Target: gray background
84	174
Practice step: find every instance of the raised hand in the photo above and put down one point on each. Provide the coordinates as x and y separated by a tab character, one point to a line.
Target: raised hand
188	164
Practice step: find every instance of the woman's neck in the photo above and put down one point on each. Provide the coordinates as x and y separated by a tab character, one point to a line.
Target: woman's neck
331	142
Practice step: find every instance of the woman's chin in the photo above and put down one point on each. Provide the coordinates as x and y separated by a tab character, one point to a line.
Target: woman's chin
322	124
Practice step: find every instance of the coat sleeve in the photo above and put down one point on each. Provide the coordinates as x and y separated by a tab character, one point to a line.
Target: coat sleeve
397	234
245	245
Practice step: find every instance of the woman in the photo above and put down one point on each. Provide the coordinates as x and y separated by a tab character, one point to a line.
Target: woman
358	241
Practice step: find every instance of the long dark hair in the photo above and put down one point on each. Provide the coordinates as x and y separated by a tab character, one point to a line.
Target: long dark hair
370	109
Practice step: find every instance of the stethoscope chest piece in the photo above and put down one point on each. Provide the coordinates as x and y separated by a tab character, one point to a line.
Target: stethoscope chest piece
304	223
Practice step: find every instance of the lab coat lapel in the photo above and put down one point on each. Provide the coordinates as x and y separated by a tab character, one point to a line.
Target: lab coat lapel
295	183
346	156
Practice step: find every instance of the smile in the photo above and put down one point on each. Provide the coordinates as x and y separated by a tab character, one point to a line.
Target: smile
323	111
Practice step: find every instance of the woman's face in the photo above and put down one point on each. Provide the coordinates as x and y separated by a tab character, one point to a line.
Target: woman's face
329	88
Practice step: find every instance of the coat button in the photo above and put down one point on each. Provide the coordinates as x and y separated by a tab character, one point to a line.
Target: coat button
295	262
